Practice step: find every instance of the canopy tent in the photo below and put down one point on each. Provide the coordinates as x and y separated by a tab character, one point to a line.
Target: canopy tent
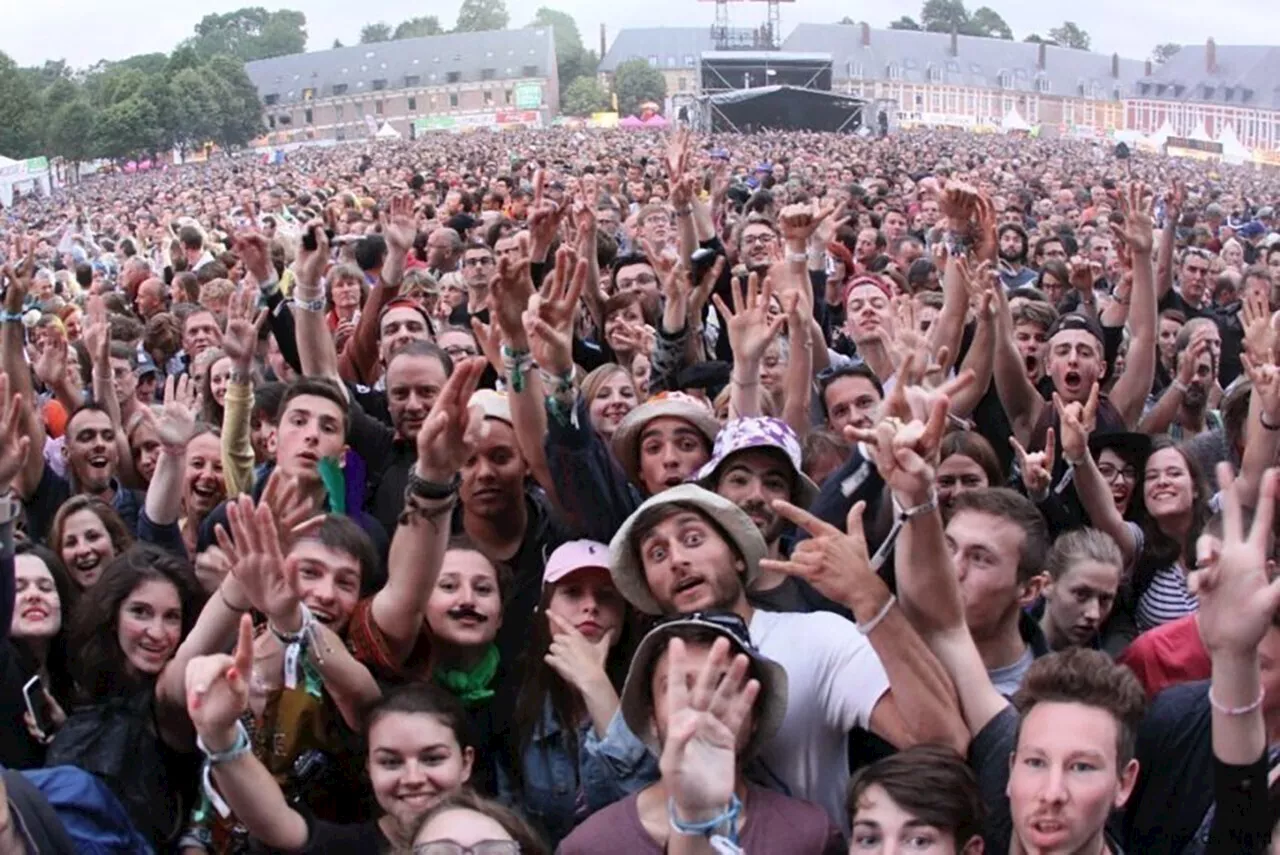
386	132
1162	134
788	108
1233	151
631	122
655	121
1200	134
1014	123
23	175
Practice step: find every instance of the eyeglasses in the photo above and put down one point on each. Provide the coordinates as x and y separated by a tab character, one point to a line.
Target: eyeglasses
484	847
1109	473
478	262
724	620
761	239
457	350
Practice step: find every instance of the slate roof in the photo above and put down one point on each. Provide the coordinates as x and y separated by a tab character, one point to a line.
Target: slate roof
504	53
674	47
1242	76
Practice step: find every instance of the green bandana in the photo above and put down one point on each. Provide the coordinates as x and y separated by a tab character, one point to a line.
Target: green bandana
472	686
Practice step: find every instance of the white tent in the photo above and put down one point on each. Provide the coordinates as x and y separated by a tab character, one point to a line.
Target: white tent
386	132
1012	121
1200	134
1161	136
1233	151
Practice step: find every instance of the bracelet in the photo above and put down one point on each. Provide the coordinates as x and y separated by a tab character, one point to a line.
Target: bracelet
294	645
798	257
241	747
8	317
703	829
685	212
427	510
908	514
316	306
1266	425
230	605
869	627
421	488
1234	711
744	384
557	384
516	364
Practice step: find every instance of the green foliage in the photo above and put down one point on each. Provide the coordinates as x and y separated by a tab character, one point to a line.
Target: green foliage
906	22
583	97
1070	35
416	28
72	130
573	60
943	16
251	33
1162	53
379	32
635	82
987	22
478	15
1036	38
20	119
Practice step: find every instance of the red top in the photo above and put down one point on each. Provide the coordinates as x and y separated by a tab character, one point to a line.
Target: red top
1168	655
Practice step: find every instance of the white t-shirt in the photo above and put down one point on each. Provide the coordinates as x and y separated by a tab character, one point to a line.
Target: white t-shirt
834	680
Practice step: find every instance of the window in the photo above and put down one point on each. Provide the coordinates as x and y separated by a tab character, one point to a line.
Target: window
488	98
1042	83
507	97
413	80
271	121
379	85
683	84
307	117
653	61
285	119
1003	80
308	94
339	89
528	71
935	74
271	99
893	71
671	62
337	112
689	61
453	99
488	73
452	76
413	104
853	70
342	134
377	107
953	66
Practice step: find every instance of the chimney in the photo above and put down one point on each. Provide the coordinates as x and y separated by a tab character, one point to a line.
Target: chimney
1115	66
955	41
1040	60
1210	57
866	34
602	41
1147	71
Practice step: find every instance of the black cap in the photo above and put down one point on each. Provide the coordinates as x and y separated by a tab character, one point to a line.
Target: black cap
462	223
1075	321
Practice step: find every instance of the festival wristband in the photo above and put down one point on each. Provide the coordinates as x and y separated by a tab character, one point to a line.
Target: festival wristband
239	748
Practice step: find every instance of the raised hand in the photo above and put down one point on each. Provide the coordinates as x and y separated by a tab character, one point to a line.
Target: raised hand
551	312
748	324
240	341
834	562
453	428
677	154
706	709
1259	334
14	444
1138	231
257	560
798	223
295	509
50	366
311	263
398	224
256	254
1265	377
1237	600
1196	348
18	276
578	661
905	452
1076	421
1035	467
509	293
218	690
177	422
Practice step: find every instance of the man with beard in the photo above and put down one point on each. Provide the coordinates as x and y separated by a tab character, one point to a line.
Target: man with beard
850	396
1014	272
1182	410
869	323
756	461
688	550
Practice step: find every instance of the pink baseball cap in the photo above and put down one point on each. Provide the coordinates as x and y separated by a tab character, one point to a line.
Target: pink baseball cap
573	556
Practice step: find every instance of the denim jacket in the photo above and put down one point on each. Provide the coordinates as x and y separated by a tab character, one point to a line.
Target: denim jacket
559	792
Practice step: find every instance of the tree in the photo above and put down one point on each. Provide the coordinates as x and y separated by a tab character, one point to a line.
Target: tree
906	22
986	22
583	97
636	82
1070	35
846	21
20	121
479	15
572	59
1163	53
416	28
379	32
72	129
1037	39
251	33
943	16
337	43
241	113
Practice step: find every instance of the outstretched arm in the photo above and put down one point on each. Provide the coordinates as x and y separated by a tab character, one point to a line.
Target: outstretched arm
1130	391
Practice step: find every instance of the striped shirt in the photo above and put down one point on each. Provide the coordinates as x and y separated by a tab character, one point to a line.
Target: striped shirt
1167	597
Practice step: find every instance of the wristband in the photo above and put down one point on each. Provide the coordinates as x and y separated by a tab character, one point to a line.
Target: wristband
1266	425
421	488
684	212
316	305
869	627
294	645
516	364
798	257
240	748
1237	711
704	829
907	514
557	384
7	317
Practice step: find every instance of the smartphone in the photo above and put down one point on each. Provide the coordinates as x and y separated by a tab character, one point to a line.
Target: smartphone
38	705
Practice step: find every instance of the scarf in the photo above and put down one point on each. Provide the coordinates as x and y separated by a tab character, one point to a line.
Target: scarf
472	686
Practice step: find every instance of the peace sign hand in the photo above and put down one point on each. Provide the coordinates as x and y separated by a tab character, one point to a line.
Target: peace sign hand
451	431
835	562
218	690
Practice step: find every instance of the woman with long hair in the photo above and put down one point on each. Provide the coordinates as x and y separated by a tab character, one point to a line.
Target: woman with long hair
87	534
573	753
967	462
465	821
610	395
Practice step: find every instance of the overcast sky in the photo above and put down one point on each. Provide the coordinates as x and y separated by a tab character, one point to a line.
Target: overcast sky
84	31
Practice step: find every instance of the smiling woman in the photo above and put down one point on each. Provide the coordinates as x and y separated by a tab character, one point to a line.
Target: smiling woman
87	534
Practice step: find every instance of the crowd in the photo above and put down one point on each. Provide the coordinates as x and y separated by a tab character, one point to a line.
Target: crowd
594	492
